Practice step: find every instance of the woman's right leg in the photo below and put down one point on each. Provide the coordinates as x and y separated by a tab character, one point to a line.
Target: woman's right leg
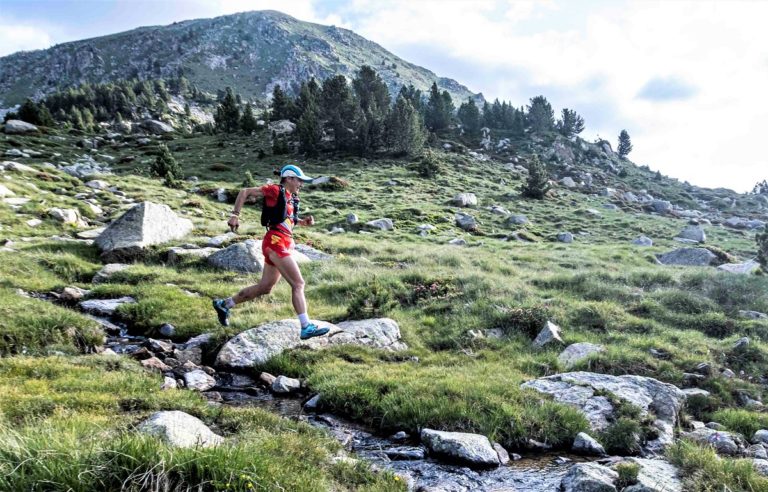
269	277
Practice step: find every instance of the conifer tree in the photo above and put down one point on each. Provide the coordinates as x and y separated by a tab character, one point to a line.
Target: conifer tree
413	96
762	249
469	116
372	96
570	123
337	105
247	120
537	184
309	131
439	109
166	167
541	117
282	105
227	115
625	144
405	130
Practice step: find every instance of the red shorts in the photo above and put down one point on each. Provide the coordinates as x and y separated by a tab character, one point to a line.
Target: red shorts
277	242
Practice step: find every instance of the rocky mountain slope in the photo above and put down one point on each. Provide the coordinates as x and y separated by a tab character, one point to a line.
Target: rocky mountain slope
250	52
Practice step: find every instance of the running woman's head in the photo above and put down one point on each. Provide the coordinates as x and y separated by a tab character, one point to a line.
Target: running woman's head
292	178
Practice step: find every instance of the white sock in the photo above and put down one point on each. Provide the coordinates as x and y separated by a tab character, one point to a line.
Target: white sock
303	319
229	302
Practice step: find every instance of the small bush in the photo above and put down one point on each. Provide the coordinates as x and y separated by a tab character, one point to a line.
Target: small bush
528	321
537	184
219	167
627	474
166	167
334	184
429	290
622	437
430	165
373	302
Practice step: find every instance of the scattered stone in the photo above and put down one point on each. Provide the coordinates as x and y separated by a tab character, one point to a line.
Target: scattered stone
160	346
399	436
312	253
715	426
17	127
465	200
501	453
97	184
217	241
688	257
586	444
67	216
689	392
760	437
550	332
741	268
105	307
756	451
725	443
156	127
243	257
144	225
352	219
741	343
565	237
589	477
466	222
167	330
90	234
73	294
180	429
284	384
517	220
406	453
198	380
643	241
384	224
258	345
34	222
155	364
458	241
760	466
568	182
178	255
5	192
267	378
577	352
108	271
727	373
313	403
473	449
656	475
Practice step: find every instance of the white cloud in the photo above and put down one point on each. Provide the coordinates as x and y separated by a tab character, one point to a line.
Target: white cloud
15	37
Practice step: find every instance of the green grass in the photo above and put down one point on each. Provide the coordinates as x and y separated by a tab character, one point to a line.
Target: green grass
704	471
599	289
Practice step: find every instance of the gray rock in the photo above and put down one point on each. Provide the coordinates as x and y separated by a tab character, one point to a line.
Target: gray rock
16	167
577	352
4	192
168	383
473	449
198	380
159	346
180	429
352	219
565	237
167	330
107	271
583	390
760	437
688	257
568	182
90	234
760	466
501	453
660	206
689	392
156	127
313	253
741	343
17	127
548	334
144	225
693	233
383	224
243	257
282	127
97	184
656	475
284	384
73	294
67	216
715	426
313	403
465	200
517	220
177	255
258	345
741	268
466	222
217	241
724	443
458	241
586	444
643	241
589	477
105	307
756	451
410	453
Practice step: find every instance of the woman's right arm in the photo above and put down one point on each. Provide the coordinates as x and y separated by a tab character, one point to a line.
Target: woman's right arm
245	193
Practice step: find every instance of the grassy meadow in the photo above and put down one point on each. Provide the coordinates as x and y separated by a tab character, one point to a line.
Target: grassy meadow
66	417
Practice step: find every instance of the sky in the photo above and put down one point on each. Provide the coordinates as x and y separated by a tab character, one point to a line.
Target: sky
687	79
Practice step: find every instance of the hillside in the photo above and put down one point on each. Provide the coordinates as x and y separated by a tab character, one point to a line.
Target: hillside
468	306
250	52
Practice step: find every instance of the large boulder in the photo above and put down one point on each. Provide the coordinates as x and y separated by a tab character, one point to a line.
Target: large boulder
180	429
656	476
693	233
742	268
586	390
589	477
156	127
688	257
472	449
243	257
465	200
466	222
144	225
383	224
282	127
723	442
257	345
16	127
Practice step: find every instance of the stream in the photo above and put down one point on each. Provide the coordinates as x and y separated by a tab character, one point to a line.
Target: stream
403	455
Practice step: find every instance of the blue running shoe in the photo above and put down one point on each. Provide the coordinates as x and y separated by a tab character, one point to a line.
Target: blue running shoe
311	330
222	311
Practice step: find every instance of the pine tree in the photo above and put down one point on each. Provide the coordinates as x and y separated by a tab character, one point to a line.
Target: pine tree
570	123
166	167
76	118
372	96
469	115
337	106
309	95
247	120
625	145
413	96
541	117
405	130
282	105
227	115
309	131
537	184
762	249
761	188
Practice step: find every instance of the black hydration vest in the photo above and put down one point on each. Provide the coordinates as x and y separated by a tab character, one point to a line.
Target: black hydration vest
272	216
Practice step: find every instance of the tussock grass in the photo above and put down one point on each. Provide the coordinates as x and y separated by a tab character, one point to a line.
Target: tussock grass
703	470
